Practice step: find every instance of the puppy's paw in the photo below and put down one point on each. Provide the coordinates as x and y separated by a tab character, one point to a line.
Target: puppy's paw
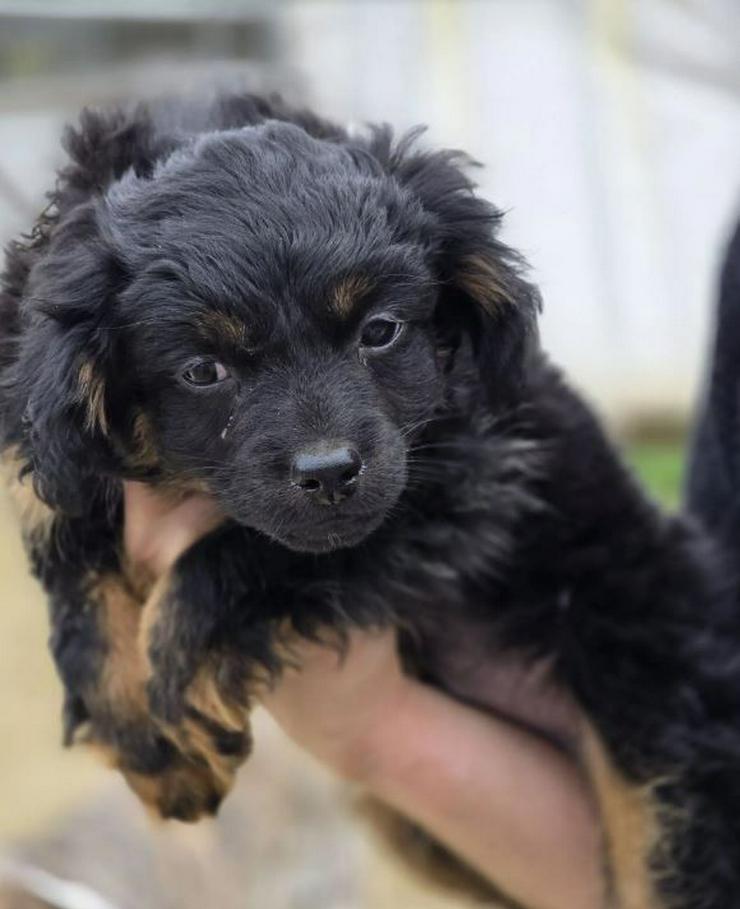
208	726
194	782
182	772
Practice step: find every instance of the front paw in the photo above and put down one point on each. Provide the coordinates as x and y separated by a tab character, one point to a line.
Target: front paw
208	725
197	773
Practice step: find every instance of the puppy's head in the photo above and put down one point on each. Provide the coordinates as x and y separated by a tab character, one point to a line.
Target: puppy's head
267	317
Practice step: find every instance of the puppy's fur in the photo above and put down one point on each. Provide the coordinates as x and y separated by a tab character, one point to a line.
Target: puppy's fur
220	290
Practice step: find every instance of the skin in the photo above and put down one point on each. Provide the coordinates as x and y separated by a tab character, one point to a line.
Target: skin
512	805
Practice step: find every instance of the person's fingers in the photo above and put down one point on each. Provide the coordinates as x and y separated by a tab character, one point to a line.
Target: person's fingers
157	530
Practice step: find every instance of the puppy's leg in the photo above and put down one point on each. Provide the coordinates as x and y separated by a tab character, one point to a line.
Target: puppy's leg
95	620
662	751
96	645
633	829
672	840
209	639
209	728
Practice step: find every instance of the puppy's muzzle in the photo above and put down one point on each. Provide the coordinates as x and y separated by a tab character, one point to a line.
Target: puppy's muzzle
327	473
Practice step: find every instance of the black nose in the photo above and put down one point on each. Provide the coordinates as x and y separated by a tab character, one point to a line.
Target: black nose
328	473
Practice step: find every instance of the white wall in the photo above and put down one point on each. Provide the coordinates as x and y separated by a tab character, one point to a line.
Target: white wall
611	134
610	131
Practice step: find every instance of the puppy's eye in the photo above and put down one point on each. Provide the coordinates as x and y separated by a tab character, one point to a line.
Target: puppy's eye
205	372
380	333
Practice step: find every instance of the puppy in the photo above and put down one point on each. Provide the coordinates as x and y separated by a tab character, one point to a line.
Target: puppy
323	333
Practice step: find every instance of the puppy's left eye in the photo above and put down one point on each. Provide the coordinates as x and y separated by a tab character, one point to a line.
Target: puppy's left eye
204	373
380	333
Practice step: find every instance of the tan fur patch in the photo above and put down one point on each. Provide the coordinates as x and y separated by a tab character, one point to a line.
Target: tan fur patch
206	752
192	737
205	696
145	456
151	612
478	277
183	784
347	293
125	671
92	393
631	827
144	442
201	774
228	330
36	517
203	692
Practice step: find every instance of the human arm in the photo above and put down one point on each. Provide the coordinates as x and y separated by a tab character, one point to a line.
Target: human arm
510	804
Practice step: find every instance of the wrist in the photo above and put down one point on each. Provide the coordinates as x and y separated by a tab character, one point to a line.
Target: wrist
387	746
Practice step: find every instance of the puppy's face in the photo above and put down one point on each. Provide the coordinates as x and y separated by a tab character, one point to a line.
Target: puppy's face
270	332
279	331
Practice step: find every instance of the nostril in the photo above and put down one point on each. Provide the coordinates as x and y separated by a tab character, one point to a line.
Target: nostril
330	471
349	476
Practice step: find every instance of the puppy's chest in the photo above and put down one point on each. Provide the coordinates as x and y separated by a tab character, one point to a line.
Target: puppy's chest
468	626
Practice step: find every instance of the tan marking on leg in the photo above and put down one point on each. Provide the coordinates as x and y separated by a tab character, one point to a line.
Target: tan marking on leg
632	831
204	694
125	670
187	790
151	613
92	392
347	294
201	775
36	517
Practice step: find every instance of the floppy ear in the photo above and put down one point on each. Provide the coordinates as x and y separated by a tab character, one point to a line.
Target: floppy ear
58	383
482	283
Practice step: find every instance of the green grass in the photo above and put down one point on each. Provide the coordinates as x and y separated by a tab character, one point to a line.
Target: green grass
660	467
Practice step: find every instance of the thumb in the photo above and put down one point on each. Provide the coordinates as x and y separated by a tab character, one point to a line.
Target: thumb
157	529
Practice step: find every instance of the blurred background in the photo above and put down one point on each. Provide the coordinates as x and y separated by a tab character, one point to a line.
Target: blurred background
610	133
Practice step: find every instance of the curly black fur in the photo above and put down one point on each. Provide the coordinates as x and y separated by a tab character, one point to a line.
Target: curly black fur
247	234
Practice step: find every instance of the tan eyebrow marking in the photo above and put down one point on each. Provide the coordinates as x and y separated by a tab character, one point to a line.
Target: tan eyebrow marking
229	329
347	293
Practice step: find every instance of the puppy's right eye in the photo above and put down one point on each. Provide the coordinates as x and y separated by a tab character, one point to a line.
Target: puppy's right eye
380	333
204	373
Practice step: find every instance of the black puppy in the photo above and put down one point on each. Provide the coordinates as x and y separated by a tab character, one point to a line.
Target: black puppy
323	333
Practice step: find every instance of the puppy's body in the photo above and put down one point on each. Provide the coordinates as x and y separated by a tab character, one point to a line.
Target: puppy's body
479	499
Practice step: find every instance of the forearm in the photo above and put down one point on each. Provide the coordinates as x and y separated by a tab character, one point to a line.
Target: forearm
508	803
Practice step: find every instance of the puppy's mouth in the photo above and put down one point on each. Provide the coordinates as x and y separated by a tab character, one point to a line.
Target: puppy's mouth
329	536
320	517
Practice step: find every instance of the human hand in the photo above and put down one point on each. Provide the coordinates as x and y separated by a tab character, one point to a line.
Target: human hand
158	528
511	805
332	697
